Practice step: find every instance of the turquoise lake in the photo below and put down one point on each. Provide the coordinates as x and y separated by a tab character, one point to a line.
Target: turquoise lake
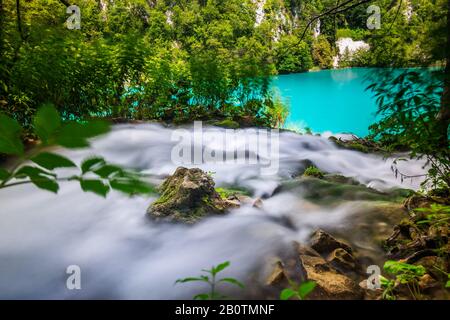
329	100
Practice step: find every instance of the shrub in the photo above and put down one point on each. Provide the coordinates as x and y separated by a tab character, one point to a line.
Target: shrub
292	56
323	53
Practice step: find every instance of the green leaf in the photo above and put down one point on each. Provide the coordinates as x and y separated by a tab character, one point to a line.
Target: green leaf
132	187
233	281
91	163
447	285
95	186
46	122
108	170
202	296
10	142
29	171
306	288
52	161
395	267
220	267
45	183
192	279
286	294
4	174
40	178
95	128
76	135
72	136
384	281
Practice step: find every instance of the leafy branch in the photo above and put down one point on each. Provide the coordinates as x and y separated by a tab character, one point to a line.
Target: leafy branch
38	166
340	8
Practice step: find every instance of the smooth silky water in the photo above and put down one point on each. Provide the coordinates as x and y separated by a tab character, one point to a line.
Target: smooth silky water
123	254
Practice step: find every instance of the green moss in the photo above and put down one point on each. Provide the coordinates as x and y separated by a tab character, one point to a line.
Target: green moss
325	192
168	192
340	179
227	123
358	147
225	193
313	171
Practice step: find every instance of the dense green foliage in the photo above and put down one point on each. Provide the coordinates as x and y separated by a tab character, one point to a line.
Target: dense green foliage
405	274
182	60
128	61
292	56
323	53
412	34
410	105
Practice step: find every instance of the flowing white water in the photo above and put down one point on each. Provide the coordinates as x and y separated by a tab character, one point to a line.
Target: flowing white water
123	254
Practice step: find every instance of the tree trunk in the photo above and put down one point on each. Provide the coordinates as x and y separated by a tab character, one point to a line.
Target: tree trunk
19	20
65	2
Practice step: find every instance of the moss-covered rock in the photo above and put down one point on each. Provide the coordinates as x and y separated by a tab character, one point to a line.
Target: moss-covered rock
187	196
327	191
359	144
313	171
337	178
227	193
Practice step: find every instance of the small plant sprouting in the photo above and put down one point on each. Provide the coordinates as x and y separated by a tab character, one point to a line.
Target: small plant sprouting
300	292
212	281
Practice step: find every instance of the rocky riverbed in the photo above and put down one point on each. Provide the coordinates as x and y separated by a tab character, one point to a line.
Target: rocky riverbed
265	225
339	271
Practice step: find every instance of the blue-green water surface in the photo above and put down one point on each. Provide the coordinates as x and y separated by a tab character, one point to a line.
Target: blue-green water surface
329	100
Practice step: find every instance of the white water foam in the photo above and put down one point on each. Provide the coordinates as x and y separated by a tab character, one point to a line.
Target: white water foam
123	254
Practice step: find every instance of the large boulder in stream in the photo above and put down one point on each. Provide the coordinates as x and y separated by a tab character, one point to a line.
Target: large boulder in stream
187	196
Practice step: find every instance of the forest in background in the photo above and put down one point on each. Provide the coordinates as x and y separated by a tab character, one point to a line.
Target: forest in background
184	60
